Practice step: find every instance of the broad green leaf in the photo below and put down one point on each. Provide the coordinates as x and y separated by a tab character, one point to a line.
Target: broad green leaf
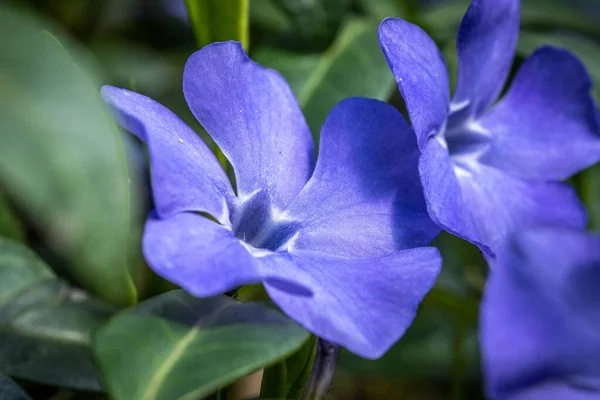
190	347
45	326
61	158
218	20
10	391
353	66
442	21
10	225
585	49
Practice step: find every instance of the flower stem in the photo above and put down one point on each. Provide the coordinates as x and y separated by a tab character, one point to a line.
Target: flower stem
322	372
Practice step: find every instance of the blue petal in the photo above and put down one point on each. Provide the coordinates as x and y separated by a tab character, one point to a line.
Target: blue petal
540	316
443	195
546	127
501	204
421	74
186	176
364	305
252	115
557	390
198	254
482	204
486	44
365	198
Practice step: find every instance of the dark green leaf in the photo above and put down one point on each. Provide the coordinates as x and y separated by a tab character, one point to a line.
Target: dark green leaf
217	21
10	391
45	326
175	346
353	66
61	158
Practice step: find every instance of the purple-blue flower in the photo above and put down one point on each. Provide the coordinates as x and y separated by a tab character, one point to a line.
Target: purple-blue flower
489	170
335	244
540	317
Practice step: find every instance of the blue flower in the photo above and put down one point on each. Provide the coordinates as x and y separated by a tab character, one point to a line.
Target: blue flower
487	171
335	244
540	317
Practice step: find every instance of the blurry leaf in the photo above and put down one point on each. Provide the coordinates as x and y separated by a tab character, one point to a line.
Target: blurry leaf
590	193
10	391
266	14
424	352
218	20
380	9
313	23
61	158
44	326
190	347
442	20
353	66
586	50
152	72
10	225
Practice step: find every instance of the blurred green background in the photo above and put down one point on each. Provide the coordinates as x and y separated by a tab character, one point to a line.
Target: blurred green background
328	51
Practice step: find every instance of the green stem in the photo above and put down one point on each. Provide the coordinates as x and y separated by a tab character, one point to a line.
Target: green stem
274	382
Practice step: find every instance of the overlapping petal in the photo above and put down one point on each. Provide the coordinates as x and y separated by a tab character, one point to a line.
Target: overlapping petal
198	254
364	305
421	73
252	114
540	315
486	44
501	204
443	195
186	176
546	127
365	198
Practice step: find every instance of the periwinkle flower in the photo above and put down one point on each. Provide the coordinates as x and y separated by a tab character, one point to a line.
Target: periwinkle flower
335	245
540	317
487	171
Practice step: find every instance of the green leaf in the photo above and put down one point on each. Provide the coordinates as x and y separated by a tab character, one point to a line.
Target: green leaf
353	66
287	379
442	21
10	391
381	9
217	21
590	193
585	49
61	157
190	347
45	326
10	225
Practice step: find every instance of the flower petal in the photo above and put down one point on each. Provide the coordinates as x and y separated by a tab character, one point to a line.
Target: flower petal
197	254
186	176
546	127
421	73
364	305
486	45
443	195
501	204
365	198
252	114
556	391
540	315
